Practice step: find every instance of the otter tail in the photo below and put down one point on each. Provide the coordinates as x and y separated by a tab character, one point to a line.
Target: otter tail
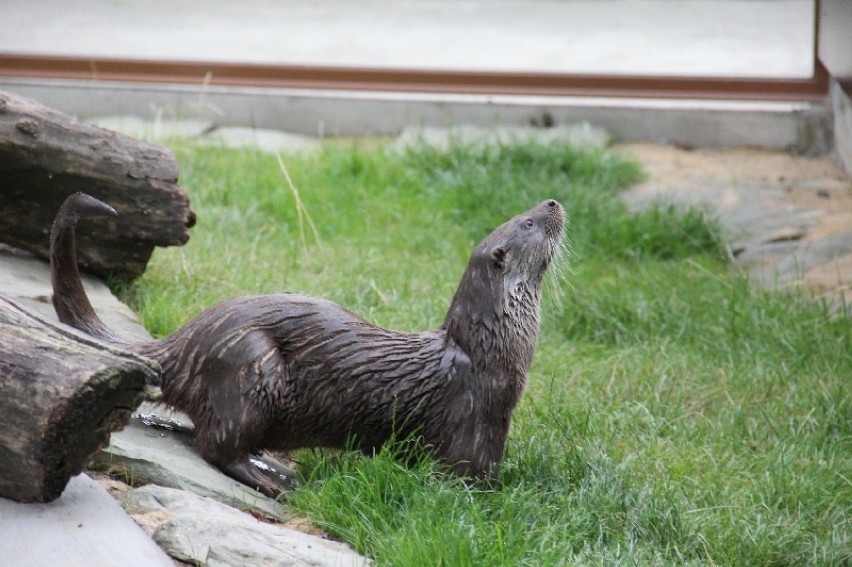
69	297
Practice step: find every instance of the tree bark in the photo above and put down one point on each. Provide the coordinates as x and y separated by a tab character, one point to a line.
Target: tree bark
61	394
46	155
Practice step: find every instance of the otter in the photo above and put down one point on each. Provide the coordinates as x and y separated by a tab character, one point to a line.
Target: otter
289	371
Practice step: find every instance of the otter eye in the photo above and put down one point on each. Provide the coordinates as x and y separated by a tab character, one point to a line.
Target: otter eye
530	223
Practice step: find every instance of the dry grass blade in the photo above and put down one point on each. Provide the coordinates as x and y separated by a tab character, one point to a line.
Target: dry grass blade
301	210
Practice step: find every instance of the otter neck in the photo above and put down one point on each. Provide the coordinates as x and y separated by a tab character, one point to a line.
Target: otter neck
69	297
496	330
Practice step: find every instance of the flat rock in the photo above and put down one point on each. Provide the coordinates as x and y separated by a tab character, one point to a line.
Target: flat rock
580	135
750	213
206	133
157	130
26	278
85	527
817	256
269	141
200	530
786	217
827	278
145	454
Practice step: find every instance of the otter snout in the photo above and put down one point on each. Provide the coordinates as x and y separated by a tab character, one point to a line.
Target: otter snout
554	222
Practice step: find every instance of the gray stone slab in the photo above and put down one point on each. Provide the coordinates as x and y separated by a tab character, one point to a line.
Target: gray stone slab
26	278
145	454
198	529
85	527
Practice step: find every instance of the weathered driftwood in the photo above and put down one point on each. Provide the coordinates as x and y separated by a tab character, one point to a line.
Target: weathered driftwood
61	394
46	155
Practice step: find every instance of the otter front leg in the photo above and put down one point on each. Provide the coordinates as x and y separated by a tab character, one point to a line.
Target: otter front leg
471	434
475	450
237	379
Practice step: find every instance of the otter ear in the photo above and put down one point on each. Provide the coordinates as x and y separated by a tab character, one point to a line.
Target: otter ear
498	256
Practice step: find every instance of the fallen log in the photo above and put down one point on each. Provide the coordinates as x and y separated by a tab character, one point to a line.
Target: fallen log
46	155
61	394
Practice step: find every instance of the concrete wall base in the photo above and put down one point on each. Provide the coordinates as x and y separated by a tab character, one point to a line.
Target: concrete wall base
803	128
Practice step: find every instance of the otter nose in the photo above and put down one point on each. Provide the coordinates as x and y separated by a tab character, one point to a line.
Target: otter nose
551	203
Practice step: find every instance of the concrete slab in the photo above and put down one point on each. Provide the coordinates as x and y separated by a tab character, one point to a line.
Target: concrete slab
84	527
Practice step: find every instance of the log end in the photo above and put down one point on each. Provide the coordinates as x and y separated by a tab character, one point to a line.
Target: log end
83	425
46	155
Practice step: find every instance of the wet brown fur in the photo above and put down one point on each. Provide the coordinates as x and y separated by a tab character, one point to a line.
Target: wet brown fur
287	371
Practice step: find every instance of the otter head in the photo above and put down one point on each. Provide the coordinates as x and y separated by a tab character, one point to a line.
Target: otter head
494	316
520	251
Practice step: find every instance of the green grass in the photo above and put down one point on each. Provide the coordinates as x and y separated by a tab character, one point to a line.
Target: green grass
674	415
